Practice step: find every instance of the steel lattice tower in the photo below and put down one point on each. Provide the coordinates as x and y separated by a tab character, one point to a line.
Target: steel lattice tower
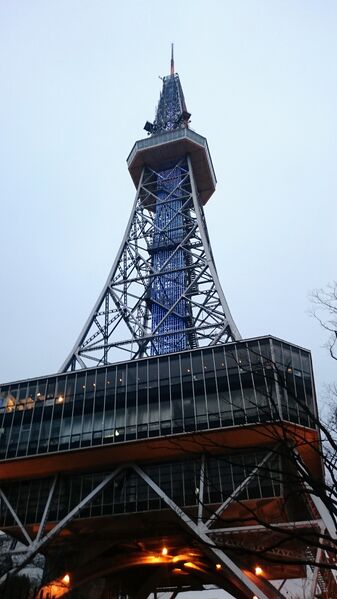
163	293
173	469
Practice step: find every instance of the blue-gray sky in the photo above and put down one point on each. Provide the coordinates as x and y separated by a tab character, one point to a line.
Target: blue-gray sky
79	78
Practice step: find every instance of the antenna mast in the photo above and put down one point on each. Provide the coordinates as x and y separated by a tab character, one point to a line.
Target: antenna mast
172	59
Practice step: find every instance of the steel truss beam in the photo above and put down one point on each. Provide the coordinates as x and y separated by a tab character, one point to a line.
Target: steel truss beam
34	546
121	320
239	489
246	584
323	578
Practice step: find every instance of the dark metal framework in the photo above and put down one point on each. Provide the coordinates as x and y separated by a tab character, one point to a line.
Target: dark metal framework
171	112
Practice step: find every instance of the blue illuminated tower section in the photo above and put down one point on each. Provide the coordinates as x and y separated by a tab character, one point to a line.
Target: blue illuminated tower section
170	230
167	255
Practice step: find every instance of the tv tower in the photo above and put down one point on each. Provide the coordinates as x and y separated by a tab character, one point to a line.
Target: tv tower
177	467
163	293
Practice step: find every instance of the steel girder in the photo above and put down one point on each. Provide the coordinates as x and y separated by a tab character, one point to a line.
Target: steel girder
120	322
211	541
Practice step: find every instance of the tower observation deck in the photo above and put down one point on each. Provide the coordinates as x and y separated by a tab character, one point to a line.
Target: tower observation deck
175	467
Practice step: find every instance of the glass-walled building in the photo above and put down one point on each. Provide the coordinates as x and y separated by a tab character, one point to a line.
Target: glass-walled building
247	382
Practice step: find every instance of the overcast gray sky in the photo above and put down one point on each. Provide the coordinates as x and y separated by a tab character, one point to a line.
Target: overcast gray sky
79	79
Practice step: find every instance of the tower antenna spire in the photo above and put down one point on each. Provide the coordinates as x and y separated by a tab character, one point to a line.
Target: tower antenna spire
172	59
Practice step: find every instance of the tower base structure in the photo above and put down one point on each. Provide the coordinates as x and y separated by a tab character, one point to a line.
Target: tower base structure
170	473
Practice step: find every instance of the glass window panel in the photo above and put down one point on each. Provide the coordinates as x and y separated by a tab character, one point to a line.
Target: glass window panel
110	389
163	369
296	361
70	388
153	372
87	423
186	367
111	377
309	394
265	349
165	409
98	418
277	349
175	368
143	410
153	405
55	432
200	405
142	373
23	391
250	403
187	390
176	388
50	391
100	388
243	358
90	388
219	358
41	390
31	395
286	356
131	395
197	367
12	398
60	389
208	363
80	387
4	396
120	401
132	375
237	404
121	376
305	361
177	410
165	400
34	433
254	356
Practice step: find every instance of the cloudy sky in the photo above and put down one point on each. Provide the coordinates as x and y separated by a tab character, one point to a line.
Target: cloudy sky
78	81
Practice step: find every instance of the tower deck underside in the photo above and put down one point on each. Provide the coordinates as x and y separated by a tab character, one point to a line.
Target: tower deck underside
169	147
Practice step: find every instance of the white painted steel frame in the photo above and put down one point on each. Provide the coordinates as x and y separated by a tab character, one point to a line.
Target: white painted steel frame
123	305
